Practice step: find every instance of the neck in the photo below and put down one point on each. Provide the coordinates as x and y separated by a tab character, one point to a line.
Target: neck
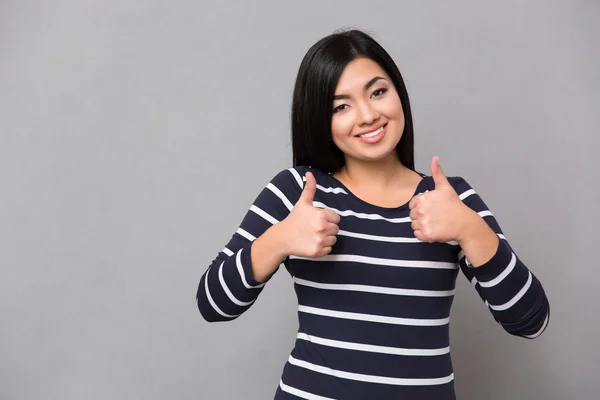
373	174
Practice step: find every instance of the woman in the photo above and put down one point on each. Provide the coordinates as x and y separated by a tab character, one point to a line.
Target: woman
373	246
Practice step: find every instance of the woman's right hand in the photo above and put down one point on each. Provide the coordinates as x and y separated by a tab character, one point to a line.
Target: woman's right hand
310	231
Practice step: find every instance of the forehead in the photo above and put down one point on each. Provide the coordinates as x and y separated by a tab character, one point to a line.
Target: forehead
357	73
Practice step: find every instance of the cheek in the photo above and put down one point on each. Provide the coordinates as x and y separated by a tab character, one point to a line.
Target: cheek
401	121
401	114
341	127
394	109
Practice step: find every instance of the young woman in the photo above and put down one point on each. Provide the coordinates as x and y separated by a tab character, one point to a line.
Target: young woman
373	246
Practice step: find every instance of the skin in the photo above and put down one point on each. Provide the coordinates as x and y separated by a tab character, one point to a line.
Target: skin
440	216
373	173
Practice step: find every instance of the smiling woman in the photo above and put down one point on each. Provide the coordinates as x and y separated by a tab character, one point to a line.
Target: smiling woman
373	246
367	114
345	76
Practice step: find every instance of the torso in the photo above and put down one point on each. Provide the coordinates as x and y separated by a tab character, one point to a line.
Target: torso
398	193
374	314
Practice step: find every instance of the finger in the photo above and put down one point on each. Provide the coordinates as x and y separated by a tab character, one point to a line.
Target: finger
332	229
329	241
331	216
310	187
416	225
324	251
413	215
439	178
419	235
414	202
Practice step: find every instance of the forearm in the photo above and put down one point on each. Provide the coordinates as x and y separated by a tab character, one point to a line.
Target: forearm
233	281
513	294
478	241
268	252
235	278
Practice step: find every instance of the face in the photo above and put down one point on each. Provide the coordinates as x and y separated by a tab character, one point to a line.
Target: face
367	121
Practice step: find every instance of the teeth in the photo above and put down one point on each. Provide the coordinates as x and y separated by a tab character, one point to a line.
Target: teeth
374	133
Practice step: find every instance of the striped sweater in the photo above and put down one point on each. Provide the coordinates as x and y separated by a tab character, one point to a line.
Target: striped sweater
374	313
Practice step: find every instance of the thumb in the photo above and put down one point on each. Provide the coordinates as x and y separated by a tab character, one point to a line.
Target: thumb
308	194
439	178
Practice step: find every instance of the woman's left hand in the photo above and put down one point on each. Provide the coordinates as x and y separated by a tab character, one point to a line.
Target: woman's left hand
439	215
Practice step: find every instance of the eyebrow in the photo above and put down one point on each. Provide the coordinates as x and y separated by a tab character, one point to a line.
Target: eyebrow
366	87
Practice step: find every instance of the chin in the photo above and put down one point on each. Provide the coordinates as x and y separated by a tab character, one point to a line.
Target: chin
377	154
386	148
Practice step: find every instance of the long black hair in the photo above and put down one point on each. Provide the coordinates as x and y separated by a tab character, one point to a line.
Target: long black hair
312	103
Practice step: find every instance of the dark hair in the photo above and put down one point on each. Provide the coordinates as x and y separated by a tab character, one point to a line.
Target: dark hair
312	103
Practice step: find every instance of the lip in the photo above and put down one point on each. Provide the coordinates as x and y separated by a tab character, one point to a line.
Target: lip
376	138
370	130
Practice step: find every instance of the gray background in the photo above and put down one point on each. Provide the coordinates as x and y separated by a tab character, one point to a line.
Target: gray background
135	135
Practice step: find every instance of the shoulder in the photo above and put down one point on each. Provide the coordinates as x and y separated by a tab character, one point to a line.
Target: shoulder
290	177
295	176
460	184
289	182
462	188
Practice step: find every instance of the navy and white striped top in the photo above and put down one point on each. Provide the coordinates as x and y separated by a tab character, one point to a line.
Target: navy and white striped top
374	313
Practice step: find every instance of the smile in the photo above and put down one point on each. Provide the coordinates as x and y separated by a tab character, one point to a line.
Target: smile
374	133
373	136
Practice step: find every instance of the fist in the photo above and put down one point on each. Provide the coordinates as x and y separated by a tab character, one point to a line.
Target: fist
437	215
311	231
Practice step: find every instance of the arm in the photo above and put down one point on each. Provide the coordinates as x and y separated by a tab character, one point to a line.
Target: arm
478	241
513	294
237	275
267	253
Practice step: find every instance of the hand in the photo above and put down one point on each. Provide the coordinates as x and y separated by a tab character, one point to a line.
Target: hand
310	231
439	215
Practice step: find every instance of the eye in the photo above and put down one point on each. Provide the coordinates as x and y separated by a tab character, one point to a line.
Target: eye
379	92
340	108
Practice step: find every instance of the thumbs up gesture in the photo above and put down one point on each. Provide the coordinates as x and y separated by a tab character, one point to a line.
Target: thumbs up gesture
311	231
438	215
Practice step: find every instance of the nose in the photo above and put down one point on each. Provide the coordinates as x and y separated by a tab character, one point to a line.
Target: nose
366	113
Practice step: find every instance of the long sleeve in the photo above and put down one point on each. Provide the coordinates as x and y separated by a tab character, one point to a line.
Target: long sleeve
512	293
228	288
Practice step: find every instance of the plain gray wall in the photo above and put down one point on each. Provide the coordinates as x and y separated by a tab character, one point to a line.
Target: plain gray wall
135	135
